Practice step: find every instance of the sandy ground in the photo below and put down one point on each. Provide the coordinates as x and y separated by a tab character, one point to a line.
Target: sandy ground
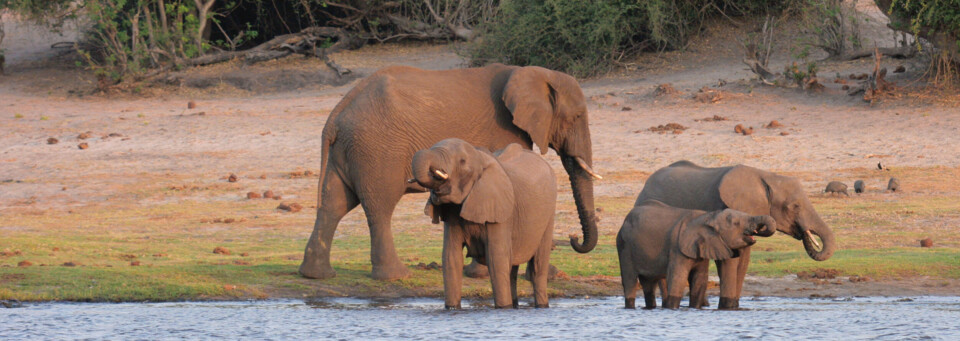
238	131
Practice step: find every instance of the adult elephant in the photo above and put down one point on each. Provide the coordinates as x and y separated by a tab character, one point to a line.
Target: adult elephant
371	135
684	184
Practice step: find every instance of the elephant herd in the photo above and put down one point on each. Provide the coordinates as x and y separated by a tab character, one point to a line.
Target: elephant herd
467	136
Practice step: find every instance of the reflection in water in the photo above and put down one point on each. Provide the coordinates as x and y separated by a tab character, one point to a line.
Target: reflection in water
350	318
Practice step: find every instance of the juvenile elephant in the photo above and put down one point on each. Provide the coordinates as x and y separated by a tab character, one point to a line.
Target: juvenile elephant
658	241
684	184
500	206
371	136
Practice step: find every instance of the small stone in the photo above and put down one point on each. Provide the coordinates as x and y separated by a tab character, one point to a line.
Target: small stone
253	195
783	133
263	176
191	105
773	124
738	129
926	242
83	146
52	141
291	207
84	136
135	263
69	264
277	197
228	220
268	194
626	109
232	178
24	263
220	250
244	254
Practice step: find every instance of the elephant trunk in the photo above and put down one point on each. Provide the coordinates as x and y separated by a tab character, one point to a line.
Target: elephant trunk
424	167
765	226
810	225
581	182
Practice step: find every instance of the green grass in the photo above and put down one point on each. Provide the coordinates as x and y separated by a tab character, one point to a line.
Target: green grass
166	228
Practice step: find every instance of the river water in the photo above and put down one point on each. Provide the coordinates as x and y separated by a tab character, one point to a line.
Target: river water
857	318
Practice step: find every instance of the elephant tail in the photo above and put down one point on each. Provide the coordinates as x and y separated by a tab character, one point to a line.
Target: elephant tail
328	136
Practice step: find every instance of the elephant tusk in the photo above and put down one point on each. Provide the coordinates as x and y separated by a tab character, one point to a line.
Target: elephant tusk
443	175
411	180
583	164
813	240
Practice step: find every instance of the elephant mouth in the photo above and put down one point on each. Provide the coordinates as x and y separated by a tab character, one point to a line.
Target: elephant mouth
809	238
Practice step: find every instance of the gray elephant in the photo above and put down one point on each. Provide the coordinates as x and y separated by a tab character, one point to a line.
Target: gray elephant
370	137
659	242
686	185
500	206
858	186
836	187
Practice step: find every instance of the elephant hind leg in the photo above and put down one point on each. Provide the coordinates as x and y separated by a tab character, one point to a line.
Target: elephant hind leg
541	268
337	200
630	282
649	292
513	285
697	280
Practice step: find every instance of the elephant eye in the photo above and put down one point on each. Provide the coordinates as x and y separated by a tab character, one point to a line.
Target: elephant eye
463	161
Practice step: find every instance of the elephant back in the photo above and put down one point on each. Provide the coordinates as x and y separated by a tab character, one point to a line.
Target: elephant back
685	185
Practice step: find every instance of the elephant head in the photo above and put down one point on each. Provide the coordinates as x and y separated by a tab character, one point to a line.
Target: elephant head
551	108
782	197
457	173
717	234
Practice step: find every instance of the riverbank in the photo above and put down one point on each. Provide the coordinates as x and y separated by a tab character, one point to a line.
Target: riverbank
126	197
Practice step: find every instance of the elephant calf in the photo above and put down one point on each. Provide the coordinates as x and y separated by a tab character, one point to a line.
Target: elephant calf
500	206
658	241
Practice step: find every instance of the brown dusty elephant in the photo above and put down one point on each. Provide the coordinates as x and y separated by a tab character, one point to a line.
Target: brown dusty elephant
753	191
499	206
371	135
659	242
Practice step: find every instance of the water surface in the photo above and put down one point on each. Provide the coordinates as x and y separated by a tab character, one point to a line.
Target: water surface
859	318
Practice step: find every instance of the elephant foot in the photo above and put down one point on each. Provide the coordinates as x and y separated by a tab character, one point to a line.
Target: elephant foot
390	273
449	307
507	306
545	305
476	270
316	270
630	303
516	304
729	303
671	302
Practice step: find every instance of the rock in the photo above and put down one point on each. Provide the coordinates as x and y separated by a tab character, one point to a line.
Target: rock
738	129
263	176
277	197
900	69
626	109
708	95
664	89
783	133
244	254
773	124
83	146
135	263
84	136
24	263
191	105
220	250
52	141
232	178
228	220
291	207
669	127
69	264
926	242
253	195
268	194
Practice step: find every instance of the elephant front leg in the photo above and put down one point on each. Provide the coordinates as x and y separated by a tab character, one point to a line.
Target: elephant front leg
452	267
650	292
513	286
697	281
498	254
336	201
541	269
729	293
383	253
677	273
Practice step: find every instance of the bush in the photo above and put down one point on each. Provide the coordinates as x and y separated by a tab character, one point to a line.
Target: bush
587	37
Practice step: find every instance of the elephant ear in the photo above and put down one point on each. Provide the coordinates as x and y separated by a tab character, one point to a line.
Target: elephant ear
432	211
700	238
491	199
531	99
745	189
